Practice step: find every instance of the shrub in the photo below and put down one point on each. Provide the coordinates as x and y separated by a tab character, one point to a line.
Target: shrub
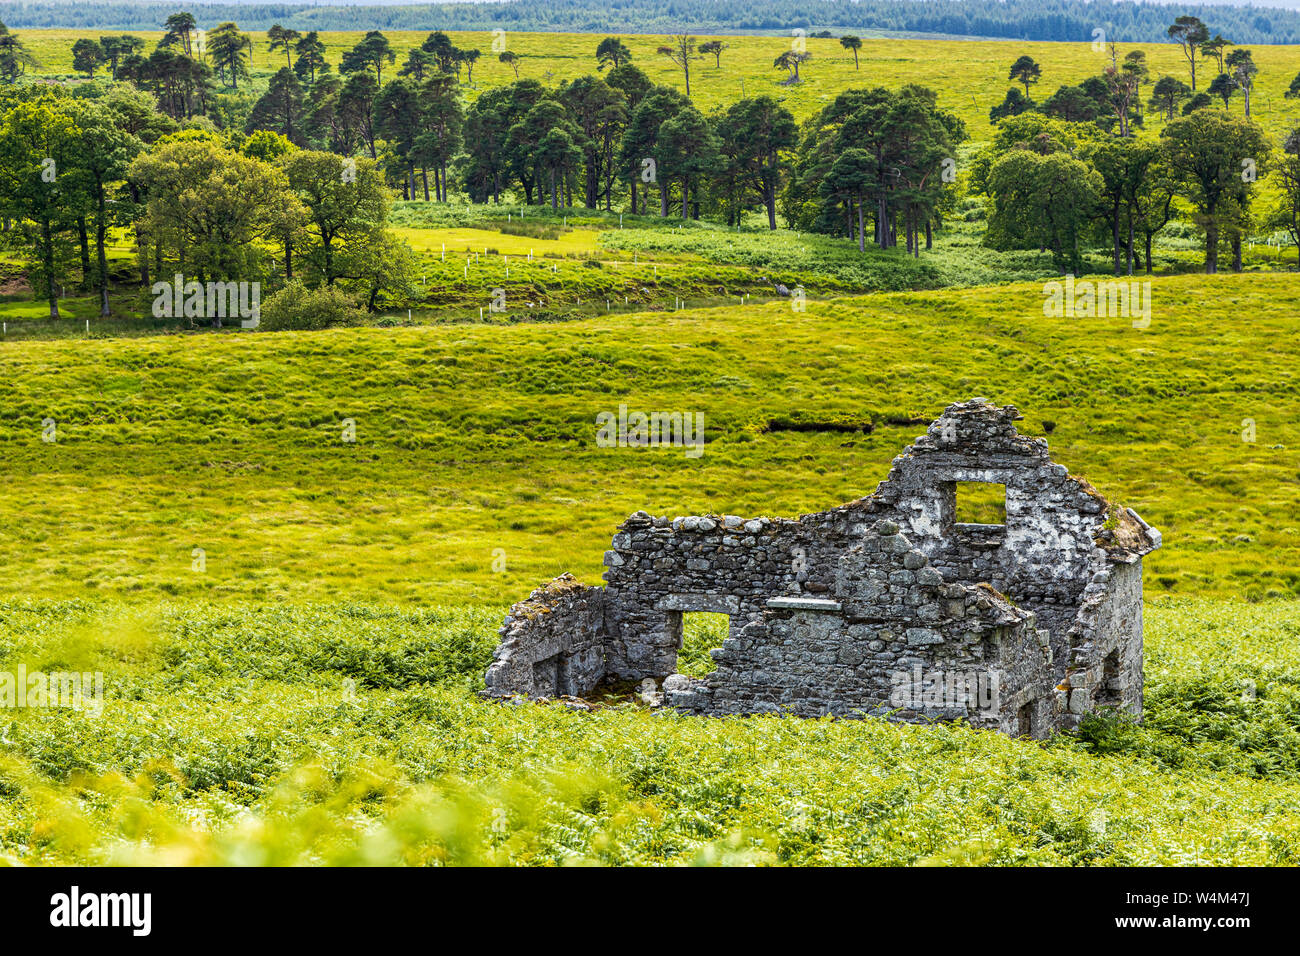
298	307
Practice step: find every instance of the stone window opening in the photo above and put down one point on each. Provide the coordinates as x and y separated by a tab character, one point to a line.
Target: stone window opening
979	503
1107	693
1025	721
697	633
553	672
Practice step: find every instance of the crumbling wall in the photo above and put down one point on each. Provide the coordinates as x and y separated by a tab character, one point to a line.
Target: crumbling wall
553	644
1105	664
1070	577
896	640
1042	555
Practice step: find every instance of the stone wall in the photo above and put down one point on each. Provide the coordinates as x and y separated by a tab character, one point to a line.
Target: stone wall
1050	595
553	644
896	640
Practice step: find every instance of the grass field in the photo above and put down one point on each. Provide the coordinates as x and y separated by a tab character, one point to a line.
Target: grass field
970	76
472	438
293	625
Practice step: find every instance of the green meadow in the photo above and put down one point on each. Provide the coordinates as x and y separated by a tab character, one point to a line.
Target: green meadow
288	552
472	438
293	626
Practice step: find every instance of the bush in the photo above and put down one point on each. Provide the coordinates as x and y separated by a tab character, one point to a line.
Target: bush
298	307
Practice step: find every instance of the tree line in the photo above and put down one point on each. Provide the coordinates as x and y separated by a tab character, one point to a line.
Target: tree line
299	187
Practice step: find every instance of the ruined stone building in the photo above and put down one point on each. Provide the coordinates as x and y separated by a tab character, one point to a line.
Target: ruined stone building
885	606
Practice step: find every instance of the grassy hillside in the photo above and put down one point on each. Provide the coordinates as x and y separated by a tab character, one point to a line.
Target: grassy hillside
971	76
303	689
478	439
349	734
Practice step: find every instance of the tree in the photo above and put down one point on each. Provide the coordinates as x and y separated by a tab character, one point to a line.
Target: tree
640	153
118	48
714	49
681	51
1198	102
1285	213
1014	104
852	178
546	140
311	57
182	84
612	52
470	57
441	124
1215	49
439	45
1122	89
791	60
1025	71
180	28
852	43
487	126
688	151
369	54
87	56
104	151
218	206
419	64
753	134
1242	69
1126	168
357	108
38	145
600	113
280	109
1189	33
1167	94
281	38
1223	86
1070	104
1206	153
230	50
398	120
511	60
14	57
631	82
1293	90
1042	201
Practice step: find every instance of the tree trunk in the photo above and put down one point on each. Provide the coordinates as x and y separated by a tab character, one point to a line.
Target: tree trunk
101	228
1211	247
1114	233
47	256
424	175
84	239
862	243
686	196
1236	252
1130	244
